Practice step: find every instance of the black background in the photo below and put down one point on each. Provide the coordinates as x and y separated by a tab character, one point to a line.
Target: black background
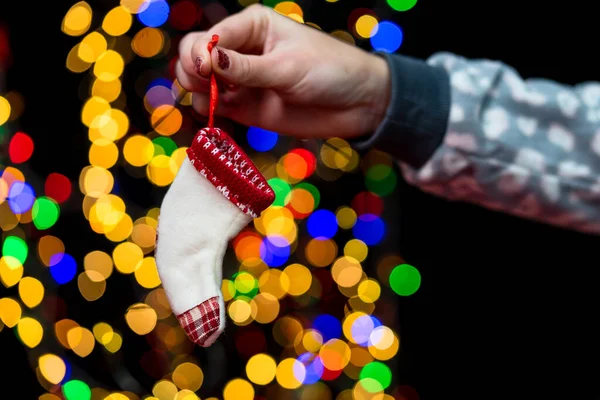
508	308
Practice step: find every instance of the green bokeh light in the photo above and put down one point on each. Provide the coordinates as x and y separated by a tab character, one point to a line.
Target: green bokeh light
45	213
164	145
376	376
246	288
76	390
15	247
282	191
380	179
402	5
405	280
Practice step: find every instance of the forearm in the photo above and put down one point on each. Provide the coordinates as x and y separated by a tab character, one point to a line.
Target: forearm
475	131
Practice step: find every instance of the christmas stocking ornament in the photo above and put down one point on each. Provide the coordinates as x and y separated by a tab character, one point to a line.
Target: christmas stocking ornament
216	193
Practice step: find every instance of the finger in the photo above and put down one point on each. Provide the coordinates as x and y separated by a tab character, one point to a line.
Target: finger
245	70
189	64
245	31
189	82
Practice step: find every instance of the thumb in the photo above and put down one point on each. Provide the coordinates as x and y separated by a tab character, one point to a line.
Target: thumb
243	69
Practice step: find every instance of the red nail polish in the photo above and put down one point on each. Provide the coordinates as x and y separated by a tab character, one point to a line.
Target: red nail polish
199	62
222	59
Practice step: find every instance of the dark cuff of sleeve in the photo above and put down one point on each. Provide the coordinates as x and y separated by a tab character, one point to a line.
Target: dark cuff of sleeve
417	117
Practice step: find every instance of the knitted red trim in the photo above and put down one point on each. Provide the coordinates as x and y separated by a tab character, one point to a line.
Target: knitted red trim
219	159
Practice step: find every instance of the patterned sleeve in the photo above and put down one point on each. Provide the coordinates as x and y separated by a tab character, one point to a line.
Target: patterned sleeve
530	148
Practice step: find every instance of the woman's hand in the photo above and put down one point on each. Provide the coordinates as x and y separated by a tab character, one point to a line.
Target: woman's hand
285	77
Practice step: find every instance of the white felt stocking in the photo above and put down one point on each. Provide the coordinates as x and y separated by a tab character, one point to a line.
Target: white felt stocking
215	194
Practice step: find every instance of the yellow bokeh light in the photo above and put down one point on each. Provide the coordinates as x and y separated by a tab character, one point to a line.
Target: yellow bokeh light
81	341
103	332
335	354
4	110
312	340
52	367
141	318
133	6
270	282
31	291
369	290
383	343
238	389
109	66
10	312
288	7
166	120
74	63
91	285
346	271
138	150
61	331
96	181
147	274
109	91
161	170
366	26
188	376
115	343
185	394
30	332
99	262
117	21
296	279
240	312
346	217
264	308
261	369
78	19
164	389
143	234
148	42
356	249
290	373
11	271
127	257
93	107
179	156
91	47
321	252
119	231
112	124
103	153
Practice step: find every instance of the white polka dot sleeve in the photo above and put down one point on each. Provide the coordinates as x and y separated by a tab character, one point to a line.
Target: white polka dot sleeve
525	147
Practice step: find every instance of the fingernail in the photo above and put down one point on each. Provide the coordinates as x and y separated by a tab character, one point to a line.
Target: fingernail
222	59
199	62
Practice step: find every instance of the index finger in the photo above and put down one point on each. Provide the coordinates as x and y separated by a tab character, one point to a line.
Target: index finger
244	32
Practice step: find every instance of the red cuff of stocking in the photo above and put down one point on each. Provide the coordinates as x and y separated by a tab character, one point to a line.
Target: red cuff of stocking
220	160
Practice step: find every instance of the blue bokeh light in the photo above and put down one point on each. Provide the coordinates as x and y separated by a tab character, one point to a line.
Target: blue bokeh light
154	13
274	251
387	37
313	369
261	139
328	326
160	82
369	228
322	224
20	197
62	268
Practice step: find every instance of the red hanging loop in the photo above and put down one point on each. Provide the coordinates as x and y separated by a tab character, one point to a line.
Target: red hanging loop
214	90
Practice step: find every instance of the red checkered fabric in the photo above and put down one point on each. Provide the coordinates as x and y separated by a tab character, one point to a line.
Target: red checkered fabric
220	160
200	322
